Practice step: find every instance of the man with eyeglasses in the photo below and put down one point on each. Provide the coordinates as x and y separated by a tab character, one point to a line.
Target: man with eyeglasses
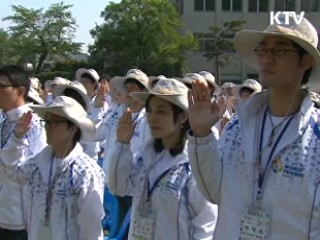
14	87
264	172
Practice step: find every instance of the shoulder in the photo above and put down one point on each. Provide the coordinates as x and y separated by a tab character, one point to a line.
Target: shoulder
85	171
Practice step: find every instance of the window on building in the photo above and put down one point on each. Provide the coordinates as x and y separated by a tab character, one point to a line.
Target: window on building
310	5
210	5
205	41
232	5
179	5
253	76
204	5
258	5
198	5
284	5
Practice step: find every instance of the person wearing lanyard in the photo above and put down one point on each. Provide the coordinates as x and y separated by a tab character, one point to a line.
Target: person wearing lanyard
264	172
166	201
64	185
14	88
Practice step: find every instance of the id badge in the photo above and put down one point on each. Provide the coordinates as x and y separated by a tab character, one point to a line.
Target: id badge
255	224
143	227
144	223
44	231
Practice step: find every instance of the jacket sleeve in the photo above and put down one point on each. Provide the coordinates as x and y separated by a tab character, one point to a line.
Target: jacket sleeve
91	212
203	213
206	164
122	171
13	155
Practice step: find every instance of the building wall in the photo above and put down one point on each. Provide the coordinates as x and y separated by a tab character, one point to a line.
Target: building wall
200	21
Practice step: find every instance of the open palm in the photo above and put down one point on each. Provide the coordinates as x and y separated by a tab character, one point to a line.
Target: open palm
203	113
126	128
23	125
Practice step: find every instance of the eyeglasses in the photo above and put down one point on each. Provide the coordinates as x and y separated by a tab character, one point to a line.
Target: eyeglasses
276	52
52	123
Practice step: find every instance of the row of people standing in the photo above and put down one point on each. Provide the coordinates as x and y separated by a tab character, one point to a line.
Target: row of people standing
242	170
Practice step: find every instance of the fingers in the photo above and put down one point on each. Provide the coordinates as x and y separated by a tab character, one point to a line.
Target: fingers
200	91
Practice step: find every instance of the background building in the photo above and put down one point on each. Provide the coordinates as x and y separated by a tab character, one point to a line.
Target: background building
199	15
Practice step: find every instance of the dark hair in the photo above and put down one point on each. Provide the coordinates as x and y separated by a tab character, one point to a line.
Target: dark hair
77	136
76	96
105	77
134	81
88	76
158	145
246	89
17	77
303	52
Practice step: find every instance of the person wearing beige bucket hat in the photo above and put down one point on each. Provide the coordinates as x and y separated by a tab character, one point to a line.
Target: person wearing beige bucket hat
245	90
264	172
64	197
166	200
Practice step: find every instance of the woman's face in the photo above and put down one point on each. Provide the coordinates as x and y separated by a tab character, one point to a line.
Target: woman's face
161	118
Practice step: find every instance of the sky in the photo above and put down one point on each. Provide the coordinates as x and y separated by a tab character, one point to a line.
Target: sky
86	13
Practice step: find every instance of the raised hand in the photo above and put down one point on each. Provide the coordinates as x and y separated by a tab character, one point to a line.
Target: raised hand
126	128
203	113
100	98
23	125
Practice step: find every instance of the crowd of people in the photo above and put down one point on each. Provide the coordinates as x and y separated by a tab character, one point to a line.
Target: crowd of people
188	159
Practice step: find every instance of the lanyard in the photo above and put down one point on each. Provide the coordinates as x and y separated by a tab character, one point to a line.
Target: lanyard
52	182
48	197
262	174
150	190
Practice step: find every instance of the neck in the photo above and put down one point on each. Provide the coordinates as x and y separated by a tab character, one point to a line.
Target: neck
283	103
171	141
13	106
63	150
91	94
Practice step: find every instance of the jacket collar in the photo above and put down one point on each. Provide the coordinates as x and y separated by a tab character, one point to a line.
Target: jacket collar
167	161
44	158
250	114
16	113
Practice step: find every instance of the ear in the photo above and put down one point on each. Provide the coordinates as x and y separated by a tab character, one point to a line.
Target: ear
307	61
21	91
183	117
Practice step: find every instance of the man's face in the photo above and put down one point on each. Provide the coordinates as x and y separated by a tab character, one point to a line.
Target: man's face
280	63
89	84
9	94
129	88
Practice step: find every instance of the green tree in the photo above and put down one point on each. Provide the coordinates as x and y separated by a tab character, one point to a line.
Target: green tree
146	34
7	51
40	34
221	48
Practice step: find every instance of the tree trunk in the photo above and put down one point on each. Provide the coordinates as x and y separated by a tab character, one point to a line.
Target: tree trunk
42	58
217	70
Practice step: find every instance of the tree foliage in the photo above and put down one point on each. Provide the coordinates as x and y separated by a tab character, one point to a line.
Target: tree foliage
40	34
146	34
221	47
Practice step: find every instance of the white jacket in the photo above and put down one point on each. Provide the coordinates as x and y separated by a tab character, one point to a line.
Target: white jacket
96	115
181	211
107	131
226	172
12	197
76	206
